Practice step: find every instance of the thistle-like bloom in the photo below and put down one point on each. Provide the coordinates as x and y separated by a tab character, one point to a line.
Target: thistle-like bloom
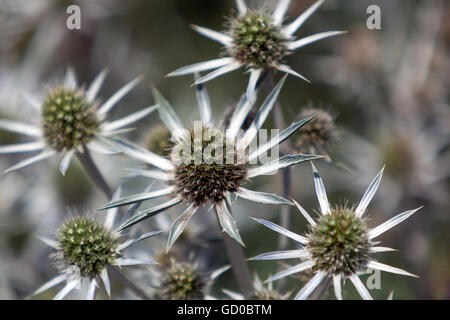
70	120
255	40
85	249
197	184
318	134
339	244
183	281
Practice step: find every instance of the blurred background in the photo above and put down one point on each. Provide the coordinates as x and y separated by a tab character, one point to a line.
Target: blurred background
387	91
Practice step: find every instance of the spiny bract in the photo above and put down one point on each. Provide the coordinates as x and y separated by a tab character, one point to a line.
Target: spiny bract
68	119
257	41
87	245
339	243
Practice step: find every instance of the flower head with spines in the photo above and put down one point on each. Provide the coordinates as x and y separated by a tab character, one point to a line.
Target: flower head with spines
339	244
318	134
255	40
84	250
198	184
183	281
70	121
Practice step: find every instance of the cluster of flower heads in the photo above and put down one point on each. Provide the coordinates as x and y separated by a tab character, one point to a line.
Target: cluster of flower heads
339	243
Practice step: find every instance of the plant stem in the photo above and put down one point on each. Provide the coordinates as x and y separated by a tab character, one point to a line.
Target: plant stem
96	176
238	263
127	283
286	172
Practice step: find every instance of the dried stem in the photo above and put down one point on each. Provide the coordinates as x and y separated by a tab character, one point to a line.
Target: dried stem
96	176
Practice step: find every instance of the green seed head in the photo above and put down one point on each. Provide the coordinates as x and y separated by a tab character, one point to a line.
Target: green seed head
318	132
68	119
339	243
183	281
216	172
158	140
257	42
87	245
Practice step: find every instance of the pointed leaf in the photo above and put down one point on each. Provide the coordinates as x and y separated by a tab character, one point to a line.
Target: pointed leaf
179	225
227	222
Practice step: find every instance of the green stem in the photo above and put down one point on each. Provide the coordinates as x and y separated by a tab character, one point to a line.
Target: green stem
286	172
238	263
94	173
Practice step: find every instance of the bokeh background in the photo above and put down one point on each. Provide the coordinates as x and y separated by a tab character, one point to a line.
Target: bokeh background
388	90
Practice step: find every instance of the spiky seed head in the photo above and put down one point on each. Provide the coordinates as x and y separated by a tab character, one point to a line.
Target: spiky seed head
158	140
257	41
209	179
183	281
86	245
339	243
318	132
68	119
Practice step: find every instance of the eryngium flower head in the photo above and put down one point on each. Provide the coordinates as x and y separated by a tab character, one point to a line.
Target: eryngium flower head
87	245
255	40
84	250
183	281
318	133
339	244
203	182
70	121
